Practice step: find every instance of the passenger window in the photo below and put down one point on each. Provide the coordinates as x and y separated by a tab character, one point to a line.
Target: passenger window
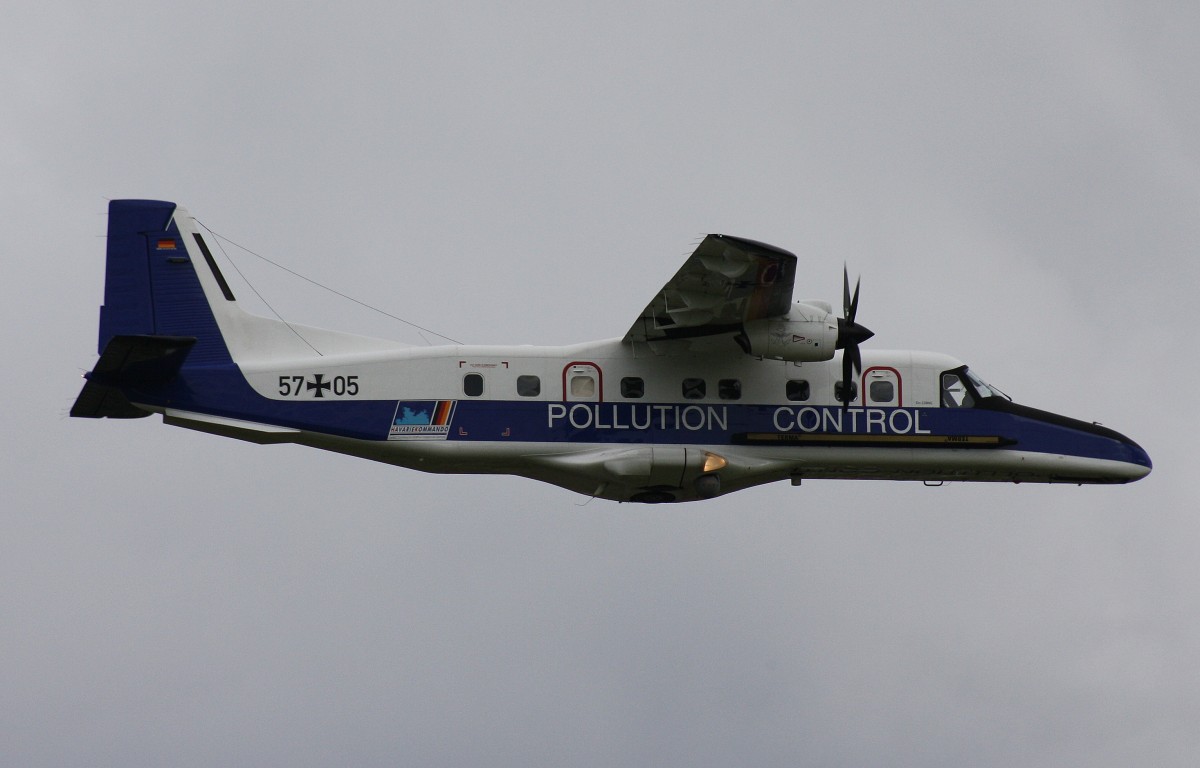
529	386
882	391
839	392
633	387
473	385
693	389
955	393
729	389
798	390
583	386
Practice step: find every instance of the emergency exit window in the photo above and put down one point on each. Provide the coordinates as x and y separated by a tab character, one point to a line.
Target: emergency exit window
882	391
583	386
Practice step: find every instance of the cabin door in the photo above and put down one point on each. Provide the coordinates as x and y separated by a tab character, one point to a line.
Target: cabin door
582	383
881	387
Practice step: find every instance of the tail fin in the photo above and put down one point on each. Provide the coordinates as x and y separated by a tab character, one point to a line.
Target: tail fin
155	315
151	286
168	310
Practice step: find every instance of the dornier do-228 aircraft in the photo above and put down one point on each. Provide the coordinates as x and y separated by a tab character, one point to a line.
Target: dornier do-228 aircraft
720	384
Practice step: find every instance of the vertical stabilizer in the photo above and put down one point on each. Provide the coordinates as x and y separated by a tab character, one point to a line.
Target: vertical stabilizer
152	287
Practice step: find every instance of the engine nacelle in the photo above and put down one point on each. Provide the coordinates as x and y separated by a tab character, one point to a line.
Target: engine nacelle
807	334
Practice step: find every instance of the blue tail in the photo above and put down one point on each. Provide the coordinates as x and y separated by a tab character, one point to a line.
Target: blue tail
156	317
151	286
174	340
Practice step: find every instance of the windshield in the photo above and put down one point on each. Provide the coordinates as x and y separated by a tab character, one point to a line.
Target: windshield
961	388
984	389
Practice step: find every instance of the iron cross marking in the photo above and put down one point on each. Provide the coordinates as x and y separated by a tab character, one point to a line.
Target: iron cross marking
319	384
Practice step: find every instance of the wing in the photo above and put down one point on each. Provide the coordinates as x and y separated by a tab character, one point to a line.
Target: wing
725	283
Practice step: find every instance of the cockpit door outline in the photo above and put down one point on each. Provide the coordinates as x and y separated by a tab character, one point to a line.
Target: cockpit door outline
881	375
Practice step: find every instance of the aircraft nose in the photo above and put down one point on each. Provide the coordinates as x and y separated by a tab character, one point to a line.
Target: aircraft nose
1138	456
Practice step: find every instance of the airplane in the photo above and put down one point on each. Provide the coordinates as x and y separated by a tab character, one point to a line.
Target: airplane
722	383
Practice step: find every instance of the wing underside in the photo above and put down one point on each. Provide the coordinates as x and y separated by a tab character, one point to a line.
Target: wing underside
727	282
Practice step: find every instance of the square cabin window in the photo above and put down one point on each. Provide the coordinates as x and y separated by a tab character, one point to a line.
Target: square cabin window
473	384
529	386
633	387
798	390
729	389
693	389
583	386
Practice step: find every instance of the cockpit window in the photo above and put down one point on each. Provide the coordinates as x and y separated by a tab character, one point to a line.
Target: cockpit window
961	388
984	389
954	393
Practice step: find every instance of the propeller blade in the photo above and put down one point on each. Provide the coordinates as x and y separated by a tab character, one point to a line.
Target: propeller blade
851	367
856	358
847	377
845	291
850	335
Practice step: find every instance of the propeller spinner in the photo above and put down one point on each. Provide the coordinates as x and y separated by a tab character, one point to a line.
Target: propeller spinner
850	335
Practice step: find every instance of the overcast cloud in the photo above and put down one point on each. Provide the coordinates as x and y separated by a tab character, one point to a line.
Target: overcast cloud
1017	184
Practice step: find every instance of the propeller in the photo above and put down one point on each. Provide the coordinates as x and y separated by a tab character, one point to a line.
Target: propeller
850	335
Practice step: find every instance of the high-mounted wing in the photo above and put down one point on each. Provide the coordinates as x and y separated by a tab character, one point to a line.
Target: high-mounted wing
725	283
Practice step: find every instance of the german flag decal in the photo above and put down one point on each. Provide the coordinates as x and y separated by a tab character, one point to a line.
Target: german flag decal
422	420
442	413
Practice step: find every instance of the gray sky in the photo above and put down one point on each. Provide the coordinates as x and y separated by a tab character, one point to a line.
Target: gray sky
1018	186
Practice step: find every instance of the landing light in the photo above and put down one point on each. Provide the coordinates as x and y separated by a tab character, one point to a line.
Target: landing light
713	462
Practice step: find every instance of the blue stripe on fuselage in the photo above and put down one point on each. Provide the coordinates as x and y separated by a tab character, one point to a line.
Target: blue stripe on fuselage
721	423
223	391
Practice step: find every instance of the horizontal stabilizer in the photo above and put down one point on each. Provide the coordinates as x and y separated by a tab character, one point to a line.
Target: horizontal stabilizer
138	362
98	401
